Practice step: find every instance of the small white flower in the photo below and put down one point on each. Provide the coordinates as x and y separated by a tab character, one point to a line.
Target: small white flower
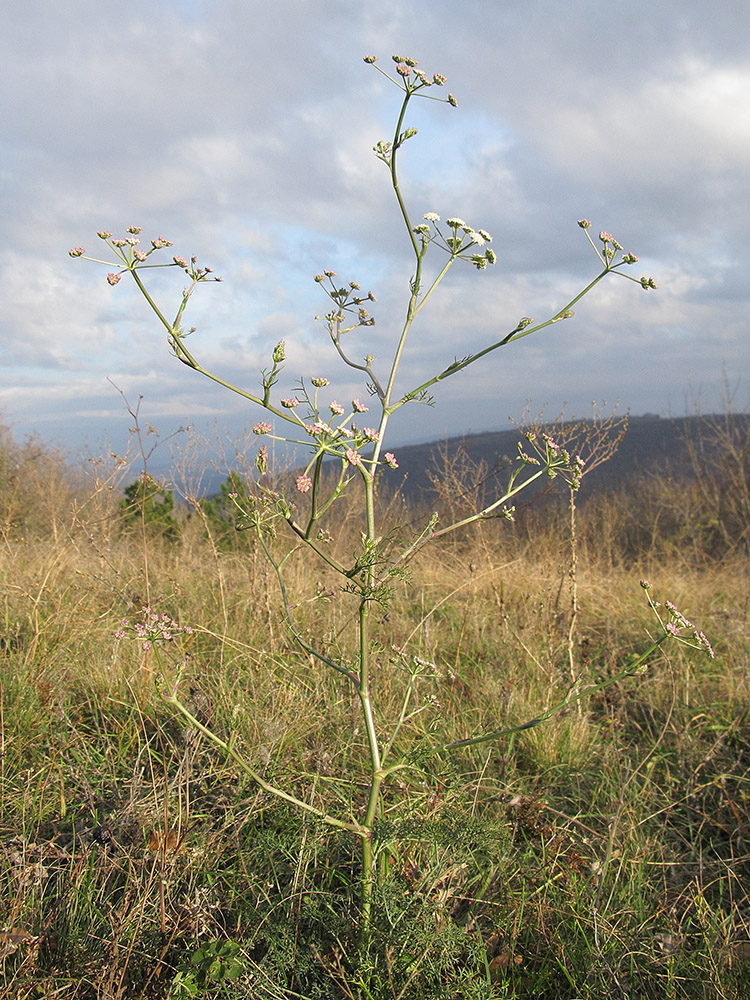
456	223
431	217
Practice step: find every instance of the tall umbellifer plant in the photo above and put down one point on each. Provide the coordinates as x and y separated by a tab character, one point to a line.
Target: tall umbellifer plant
329	432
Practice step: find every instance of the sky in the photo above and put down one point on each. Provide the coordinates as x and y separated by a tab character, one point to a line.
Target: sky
243	132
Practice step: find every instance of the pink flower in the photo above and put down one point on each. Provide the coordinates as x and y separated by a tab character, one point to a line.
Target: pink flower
358	407
77	251
290	403
180	261
113	278
262	427
336	408
390	460
370	433
304	484
353	457
703	641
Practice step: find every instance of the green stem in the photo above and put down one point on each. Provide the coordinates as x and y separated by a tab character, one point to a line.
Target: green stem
183	354
394	174
376	774
509	338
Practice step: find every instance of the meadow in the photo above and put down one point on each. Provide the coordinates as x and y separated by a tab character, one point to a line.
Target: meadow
601	852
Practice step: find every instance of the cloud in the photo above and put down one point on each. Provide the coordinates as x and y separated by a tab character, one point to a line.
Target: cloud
244	133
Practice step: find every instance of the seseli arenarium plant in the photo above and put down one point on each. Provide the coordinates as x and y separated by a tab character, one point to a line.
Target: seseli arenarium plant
350	438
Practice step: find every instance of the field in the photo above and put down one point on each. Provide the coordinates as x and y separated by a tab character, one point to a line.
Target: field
601	853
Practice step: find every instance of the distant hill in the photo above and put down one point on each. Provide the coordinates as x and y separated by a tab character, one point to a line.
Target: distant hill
652	445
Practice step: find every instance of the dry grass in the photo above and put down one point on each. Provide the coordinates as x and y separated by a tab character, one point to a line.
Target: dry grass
603	853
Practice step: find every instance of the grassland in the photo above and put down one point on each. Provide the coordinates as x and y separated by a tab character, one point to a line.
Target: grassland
601	854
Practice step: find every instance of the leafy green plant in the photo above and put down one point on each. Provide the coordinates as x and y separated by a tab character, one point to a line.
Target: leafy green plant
210	965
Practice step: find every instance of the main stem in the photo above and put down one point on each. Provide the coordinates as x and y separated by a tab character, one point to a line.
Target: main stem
377	775
364	692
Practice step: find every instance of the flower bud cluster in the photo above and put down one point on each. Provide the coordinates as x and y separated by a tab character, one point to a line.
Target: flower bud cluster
557	460
677	625
412	77
343	438
346	300
609	251
129	258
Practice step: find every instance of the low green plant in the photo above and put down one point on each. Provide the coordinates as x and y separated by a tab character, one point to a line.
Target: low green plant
214	963
396	747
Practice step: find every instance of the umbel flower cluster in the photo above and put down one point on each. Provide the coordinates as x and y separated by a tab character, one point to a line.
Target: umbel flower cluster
461	239
676	624
152	628
128	256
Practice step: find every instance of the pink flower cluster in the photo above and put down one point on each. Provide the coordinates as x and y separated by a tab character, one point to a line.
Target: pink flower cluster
152	628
